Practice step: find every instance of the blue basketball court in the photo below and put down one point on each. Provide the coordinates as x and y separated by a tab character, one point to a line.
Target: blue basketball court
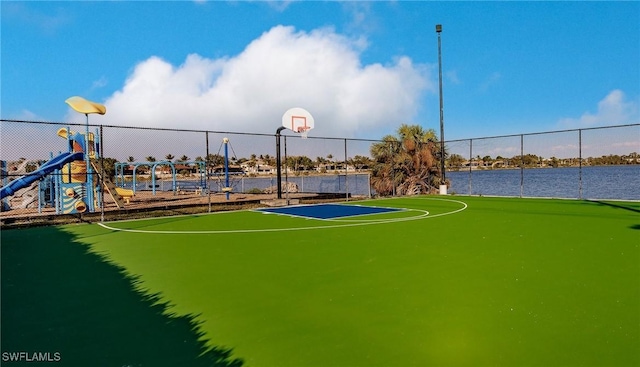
328	211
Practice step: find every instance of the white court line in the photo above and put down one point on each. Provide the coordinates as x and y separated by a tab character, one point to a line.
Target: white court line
424	215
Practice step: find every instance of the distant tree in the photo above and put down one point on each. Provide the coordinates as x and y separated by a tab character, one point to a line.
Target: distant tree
299	163
456	160
131	159
109	165
269	160
214	160
527	160
330	159
359	162
169	157
150	159
30	167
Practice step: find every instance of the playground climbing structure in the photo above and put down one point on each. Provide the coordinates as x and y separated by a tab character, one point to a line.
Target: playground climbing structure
73	181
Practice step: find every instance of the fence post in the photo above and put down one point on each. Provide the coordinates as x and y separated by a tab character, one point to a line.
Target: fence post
101	177
521	165
470	165
393	171
579	163
346	179
207	184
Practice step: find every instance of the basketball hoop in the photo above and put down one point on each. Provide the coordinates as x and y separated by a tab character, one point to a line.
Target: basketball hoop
298	120
303	131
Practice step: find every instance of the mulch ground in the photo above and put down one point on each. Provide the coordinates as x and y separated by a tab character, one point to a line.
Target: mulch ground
145	204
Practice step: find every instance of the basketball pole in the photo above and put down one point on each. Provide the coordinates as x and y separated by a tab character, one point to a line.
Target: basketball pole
286	171
278	161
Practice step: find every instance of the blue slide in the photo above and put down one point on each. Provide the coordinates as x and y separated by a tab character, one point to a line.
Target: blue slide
45	169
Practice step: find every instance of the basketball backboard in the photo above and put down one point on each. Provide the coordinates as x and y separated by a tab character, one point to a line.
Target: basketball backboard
298	120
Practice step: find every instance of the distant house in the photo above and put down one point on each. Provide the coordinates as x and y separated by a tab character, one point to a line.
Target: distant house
258	168
185	167
265	169
233	170
472	164
327	167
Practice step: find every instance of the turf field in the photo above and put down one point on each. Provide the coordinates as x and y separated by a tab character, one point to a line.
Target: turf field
424	281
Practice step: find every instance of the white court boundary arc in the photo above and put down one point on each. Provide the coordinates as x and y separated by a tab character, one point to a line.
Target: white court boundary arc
336	223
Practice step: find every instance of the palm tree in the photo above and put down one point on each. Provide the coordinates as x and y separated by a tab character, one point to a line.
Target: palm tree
131	159
332	164
359	162
407	163
150	159
269	160
383	171
109	167
456	161
212	161
169	157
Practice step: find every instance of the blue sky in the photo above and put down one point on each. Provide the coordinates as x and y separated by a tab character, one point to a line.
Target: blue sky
361	68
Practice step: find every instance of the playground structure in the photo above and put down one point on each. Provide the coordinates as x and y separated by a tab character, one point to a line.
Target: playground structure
121	172
70	181
128	174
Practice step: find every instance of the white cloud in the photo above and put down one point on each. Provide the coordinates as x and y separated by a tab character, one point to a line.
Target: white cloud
102	82
48	23
29	116
452	76
279	5
491	80
318	70
614	109
362	18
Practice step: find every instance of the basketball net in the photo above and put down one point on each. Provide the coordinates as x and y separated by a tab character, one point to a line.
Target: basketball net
304	131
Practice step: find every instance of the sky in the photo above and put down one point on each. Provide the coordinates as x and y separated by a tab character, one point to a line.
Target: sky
361	68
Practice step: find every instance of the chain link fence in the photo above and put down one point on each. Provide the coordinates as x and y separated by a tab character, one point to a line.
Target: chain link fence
594	163
177	161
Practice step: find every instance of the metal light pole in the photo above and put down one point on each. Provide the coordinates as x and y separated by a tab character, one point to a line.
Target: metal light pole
438	31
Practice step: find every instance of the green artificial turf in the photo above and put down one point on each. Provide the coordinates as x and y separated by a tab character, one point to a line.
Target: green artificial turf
505	282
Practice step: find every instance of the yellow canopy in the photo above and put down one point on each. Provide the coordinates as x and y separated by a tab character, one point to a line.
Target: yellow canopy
81	105
62	132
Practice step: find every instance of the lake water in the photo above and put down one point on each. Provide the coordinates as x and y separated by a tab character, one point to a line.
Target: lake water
356	184
605	182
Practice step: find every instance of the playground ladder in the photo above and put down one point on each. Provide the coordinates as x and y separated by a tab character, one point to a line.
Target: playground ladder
109	185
